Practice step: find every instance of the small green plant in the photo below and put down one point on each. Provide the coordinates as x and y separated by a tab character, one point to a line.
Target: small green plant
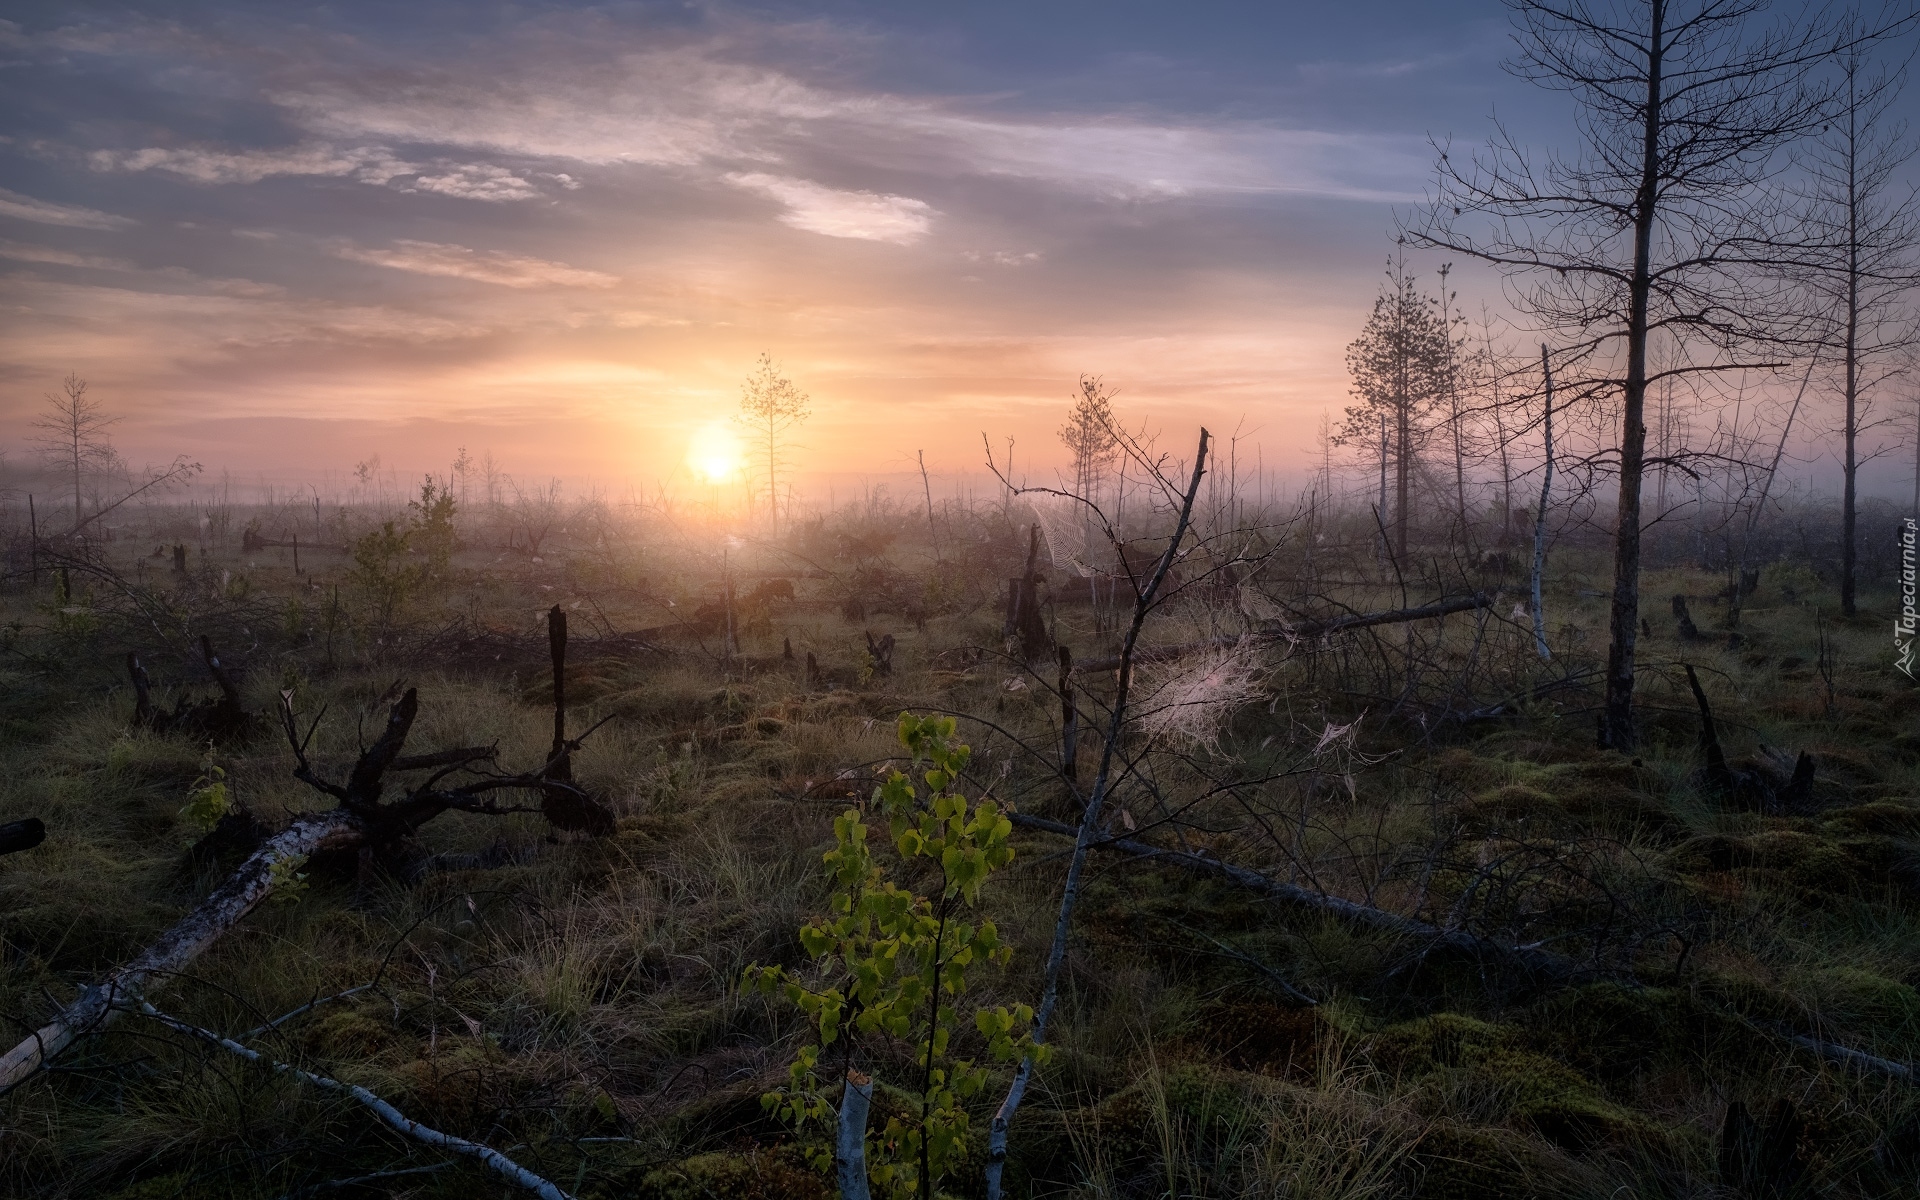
293	620
893	964
286	881
209	800
72	613
383	571
393	564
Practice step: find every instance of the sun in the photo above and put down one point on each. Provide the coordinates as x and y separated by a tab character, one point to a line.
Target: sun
714	454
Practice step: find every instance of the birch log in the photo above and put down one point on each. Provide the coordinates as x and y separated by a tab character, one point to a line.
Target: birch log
98	1005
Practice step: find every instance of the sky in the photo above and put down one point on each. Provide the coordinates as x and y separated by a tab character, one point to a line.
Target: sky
281	239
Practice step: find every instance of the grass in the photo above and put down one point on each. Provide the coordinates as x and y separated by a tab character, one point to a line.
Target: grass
576	1003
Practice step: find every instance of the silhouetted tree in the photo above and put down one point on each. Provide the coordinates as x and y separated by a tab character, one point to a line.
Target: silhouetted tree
1668	222
74	435
770	406
1402	367
1866	220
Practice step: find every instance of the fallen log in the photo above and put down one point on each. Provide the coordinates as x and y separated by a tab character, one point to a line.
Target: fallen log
16	836
1283	632
97	1006
251	542
1845	1056
1543	964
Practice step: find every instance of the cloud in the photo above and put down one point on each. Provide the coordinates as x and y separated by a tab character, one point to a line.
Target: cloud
670	107
1133	160
375	165
484	266
1003	258
26	208
170	277
22	252
251	166
818	209
686	107
476	181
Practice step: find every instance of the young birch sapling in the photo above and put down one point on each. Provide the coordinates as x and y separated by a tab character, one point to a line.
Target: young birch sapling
894	964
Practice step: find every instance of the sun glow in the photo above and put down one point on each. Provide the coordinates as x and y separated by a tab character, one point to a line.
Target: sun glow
714	454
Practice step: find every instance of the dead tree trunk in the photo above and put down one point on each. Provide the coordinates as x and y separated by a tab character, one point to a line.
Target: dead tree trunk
1683	620
1024	621
880	651
1069	723
563	804
1540	517
142	692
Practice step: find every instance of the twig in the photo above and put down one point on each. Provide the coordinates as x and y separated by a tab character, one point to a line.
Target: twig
390	1116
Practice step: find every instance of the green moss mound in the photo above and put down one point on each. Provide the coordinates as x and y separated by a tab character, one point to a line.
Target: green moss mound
1459	1162
754	1175
1575	792
1495	1069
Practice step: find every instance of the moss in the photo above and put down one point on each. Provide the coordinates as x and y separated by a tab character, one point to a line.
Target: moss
1591	791
1614	1031
1889	818
1413	1048
1260	1036
1815	868
457	1083
1513	802
1458	1162
754	1175
1468	771
348	1035
175	1185
1207	1104
1862	1000
1556	1101
1495	1066
1611	792
1747	999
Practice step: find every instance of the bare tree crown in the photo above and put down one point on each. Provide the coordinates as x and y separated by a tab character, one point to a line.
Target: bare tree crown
73	437
770	406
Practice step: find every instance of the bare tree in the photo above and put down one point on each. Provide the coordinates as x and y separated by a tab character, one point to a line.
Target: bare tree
535	512
1665	224
1456	419
770	406
1866	219
74	436
1540	514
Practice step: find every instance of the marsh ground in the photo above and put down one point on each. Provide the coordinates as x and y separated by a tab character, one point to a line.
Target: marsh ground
575	1001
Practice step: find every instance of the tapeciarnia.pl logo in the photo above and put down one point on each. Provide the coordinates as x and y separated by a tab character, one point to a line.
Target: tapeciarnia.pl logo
1903	625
